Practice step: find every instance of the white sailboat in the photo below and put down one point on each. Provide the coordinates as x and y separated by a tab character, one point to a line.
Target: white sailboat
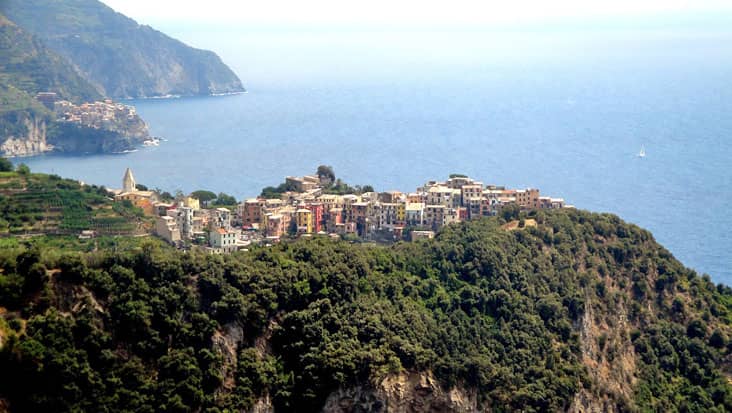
642	153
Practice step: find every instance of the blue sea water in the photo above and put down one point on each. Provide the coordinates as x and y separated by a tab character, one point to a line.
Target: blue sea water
564	112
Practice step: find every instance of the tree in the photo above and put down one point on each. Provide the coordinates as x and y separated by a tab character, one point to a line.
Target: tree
696	329
203	196
35	279
165	196
5	165
717	340
141	187
270	192
224	199
23	169
367	188
510	212
326	175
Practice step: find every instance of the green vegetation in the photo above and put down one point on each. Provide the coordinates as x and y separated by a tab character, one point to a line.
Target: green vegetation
14	101
204	196
326	174
528	317
210	198
39	203
331	185
27	67
5	165
223	199
272	192
17	110
118	56
342	188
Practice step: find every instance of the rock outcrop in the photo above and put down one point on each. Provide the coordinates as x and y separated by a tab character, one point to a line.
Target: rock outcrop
32	138
226	344
116	130
406	392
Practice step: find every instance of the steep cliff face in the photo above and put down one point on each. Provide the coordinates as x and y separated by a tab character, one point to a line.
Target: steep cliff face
610	358
30	136
120	57
27	134
72	138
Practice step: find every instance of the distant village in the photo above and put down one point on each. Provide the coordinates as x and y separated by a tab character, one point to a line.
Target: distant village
304	208
106	115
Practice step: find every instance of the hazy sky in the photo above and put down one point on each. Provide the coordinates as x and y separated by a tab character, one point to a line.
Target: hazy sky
407	12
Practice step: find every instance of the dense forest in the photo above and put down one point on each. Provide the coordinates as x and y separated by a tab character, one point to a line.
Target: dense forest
581	311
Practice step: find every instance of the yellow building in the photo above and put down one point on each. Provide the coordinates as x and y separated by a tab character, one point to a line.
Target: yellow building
401	211
129	192
192	203
304	220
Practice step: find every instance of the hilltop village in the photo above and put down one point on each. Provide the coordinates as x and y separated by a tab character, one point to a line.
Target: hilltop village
104	115
304	206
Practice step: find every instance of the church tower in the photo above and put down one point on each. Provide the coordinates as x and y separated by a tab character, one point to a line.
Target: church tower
128	182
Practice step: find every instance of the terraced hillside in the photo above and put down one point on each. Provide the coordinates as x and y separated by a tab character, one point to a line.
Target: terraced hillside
48	204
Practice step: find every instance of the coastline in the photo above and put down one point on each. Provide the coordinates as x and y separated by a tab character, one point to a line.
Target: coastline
171	97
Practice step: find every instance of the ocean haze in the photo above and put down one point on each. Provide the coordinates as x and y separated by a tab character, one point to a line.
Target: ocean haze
564	111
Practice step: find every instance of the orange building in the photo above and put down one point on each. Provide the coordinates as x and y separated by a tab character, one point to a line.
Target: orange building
251	212
527	198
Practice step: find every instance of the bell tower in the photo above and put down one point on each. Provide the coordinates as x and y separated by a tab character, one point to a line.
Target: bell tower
128	182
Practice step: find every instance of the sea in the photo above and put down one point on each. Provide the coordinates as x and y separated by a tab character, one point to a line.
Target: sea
565	111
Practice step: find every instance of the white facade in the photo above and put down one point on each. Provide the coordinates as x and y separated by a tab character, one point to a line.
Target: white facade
223	240
167	228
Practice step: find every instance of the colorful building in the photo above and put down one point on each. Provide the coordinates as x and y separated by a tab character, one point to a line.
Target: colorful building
304	220
317	218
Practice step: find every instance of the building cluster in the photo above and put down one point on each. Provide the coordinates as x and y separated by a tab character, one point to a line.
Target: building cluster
105	115
101	115
308	209
47	98
184	219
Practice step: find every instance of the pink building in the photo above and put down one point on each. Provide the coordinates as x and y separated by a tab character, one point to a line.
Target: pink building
317	211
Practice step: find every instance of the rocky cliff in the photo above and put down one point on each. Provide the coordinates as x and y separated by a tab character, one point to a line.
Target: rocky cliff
30	136
404	392
73	138
120	57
